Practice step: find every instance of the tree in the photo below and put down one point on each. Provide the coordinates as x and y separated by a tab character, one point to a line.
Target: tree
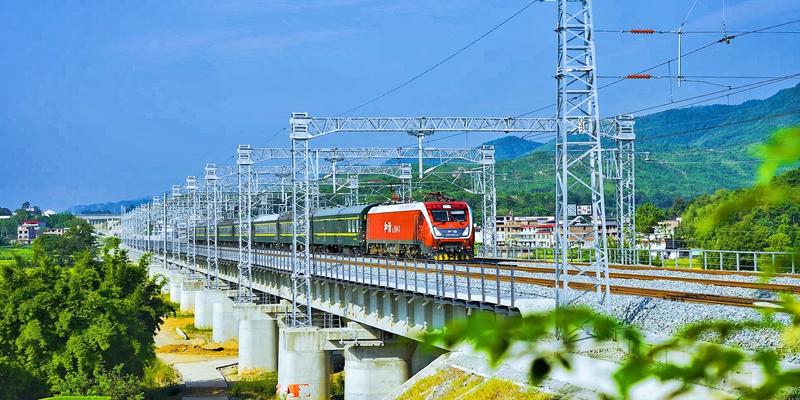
677	208
647	217
77	320
59	220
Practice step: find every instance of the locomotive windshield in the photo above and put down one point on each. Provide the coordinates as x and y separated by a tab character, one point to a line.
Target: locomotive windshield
449	215
439	215
458	215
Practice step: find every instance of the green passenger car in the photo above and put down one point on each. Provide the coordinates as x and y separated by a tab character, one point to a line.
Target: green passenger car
200	233
340	229
285	230
225	231
265	229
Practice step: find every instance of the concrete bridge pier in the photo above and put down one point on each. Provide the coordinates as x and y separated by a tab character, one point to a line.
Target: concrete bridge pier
372	372
204	307
189	290
258	337
258	345
175	282
227	316
303	364
223	322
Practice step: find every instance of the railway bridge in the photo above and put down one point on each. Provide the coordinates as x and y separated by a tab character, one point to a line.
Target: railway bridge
372	309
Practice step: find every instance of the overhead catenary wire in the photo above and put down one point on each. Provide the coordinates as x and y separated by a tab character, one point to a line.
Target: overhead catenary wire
646	31
733	34
724	93
648	76
673	59
667	62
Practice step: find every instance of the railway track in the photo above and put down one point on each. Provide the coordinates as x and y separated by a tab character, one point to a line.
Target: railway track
653	268
673	295
772	287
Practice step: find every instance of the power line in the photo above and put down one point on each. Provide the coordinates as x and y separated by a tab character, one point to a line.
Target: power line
645	31
648	76
446	59
701	48
726	92
621	79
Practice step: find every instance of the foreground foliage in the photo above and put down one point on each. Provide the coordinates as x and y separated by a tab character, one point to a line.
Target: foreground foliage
708	363
77	320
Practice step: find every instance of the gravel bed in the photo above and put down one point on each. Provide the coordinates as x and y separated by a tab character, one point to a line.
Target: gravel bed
672	285
671	273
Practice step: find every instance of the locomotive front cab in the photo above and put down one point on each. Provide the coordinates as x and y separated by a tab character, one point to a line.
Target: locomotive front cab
452	233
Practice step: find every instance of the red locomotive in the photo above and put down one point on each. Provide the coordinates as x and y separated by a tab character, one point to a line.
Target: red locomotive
440	230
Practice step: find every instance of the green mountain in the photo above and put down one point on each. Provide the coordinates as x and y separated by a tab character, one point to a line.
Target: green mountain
106	208
511	147
683	153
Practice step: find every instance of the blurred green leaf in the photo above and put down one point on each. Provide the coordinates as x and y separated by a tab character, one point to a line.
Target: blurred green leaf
782	149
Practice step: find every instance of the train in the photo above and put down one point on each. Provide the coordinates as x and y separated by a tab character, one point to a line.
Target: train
440	230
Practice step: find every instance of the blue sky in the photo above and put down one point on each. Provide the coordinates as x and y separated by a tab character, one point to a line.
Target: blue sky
109	100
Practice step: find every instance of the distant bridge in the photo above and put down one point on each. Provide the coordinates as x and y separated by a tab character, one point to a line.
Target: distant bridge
108	224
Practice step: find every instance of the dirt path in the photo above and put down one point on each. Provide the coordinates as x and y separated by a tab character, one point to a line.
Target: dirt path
195	360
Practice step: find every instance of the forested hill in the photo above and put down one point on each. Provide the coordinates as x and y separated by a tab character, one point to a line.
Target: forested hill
692	151
511	147
107	208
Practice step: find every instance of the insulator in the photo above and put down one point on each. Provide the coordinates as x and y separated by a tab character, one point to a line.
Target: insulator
639	76
643	31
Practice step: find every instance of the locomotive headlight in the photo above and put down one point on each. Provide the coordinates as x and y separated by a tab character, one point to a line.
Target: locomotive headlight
465	232
437	232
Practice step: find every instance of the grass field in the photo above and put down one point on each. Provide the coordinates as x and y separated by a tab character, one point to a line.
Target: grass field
7	253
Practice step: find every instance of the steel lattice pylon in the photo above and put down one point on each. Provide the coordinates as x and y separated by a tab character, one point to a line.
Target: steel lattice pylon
191	226
176	222
579	167
301	214
212	218
489	203
626	186
163	203
244	291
